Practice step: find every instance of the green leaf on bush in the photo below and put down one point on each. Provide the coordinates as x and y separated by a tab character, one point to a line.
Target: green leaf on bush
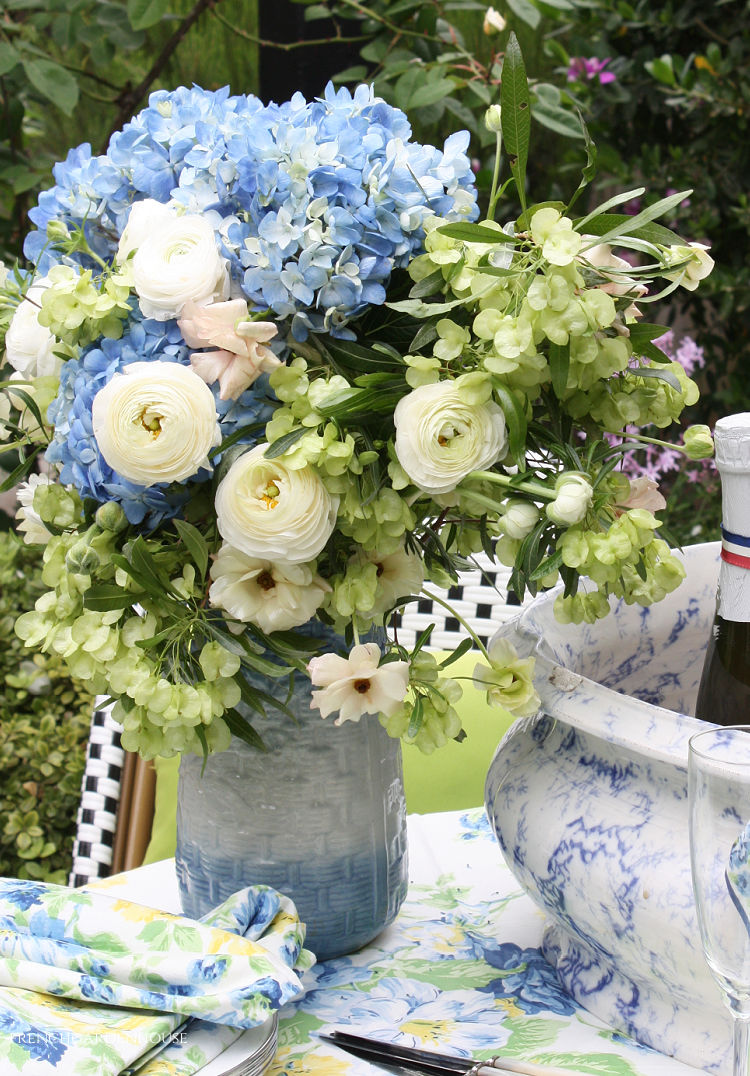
9	57
145	13
526	12
432	92
54	82
516	114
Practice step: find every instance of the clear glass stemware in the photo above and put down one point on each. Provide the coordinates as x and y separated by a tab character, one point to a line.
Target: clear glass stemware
719	796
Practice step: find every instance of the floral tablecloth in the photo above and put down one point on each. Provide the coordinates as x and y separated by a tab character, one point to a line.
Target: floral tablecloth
459	971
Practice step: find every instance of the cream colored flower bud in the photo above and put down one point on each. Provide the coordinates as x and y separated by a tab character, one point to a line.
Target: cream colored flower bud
574	495
494	23
493	119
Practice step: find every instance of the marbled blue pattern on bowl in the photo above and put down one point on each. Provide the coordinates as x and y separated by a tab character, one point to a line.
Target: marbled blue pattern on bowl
588	800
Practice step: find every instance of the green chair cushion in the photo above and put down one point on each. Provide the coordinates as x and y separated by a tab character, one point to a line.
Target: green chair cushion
450	779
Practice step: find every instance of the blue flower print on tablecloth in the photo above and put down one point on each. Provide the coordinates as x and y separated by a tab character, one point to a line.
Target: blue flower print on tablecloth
527	979
475	825
413	1013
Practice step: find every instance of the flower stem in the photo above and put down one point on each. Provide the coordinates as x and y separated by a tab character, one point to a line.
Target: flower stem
655	441
446	605
536	489
494	192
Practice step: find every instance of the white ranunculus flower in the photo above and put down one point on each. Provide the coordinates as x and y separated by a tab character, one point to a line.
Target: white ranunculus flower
155	422
440	438
357	685
275	596
29	346
270	511
145	217
177	263
574	495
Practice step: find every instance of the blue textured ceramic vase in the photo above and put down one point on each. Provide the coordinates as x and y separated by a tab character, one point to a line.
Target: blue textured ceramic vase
589	803
320	816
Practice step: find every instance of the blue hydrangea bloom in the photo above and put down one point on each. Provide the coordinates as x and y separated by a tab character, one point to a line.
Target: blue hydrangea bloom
320	201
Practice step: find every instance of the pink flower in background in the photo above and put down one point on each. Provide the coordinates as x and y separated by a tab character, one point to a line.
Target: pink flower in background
586	70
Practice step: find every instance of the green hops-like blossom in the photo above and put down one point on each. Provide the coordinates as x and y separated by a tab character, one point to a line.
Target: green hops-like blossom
439	724
216	661
452	340
555	235
290	381
699	444
422	370
355	590
77	311
580	608
57	506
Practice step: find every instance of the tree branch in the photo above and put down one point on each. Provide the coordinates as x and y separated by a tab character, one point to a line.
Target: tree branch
129	99
286	46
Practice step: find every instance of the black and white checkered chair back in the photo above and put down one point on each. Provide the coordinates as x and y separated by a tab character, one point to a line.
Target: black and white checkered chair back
100	795
480	598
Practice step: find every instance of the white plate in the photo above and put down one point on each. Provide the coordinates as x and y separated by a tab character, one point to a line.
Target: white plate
249	1055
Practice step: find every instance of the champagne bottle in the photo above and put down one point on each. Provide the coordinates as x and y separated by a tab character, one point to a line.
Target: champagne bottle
724	692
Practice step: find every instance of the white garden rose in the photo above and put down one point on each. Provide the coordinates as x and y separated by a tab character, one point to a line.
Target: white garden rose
177	263
440	438
275	596
29	346
155	422
269	511
145	217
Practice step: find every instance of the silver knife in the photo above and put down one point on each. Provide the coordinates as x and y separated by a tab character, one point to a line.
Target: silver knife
408	1059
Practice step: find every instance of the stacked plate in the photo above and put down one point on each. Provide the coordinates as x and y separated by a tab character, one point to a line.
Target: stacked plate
249	1055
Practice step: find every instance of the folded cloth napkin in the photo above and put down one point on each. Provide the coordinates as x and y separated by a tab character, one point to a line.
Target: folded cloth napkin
92	985
738	875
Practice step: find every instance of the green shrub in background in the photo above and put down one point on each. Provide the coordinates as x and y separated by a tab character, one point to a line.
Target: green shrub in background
71	71
44	726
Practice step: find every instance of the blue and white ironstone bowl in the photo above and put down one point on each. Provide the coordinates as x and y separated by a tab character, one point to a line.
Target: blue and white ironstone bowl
588	800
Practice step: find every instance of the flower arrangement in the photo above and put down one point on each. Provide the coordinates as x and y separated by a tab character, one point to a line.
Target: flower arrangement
283	381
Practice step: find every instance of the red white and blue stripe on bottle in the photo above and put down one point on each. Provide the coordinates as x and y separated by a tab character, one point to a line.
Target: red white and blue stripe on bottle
735	548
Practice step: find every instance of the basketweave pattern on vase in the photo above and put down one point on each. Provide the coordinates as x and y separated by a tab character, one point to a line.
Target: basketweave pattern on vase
480	598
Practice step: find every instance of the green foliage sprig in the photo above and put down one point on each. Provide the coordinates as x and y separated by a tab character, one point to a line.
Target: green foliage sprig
44	725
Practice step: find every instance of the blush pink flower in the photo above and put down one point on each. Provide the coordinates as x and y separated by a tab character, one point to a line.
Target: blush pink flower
357	685
644	493
242	356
